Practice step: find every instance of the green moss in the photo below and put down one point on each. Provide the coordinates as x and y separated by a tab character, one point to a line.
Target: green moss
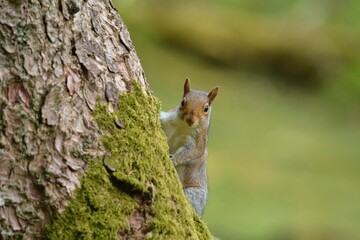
104	205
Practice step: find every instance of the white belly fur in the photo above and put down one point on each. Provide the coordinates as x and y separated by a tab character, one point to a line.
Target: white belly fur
176	130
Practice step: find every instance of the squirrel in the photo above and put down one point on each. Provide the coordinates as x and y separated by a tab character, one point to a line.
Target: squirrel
186	128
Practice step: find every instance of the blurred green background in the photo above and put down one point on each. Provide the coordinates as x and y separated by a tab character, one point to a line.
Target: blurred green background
284	150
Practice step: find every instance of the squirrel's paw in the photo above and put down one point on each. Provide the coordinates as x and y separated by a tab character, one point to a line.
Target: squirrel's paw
172	158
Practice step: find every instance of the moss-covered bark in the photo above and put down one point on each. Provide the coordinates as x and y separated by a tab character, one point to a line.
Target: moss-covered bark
132	193
56	59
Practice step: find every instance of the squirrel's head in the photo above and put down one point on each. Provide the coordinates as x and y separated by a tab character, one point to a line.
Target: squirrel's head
195	106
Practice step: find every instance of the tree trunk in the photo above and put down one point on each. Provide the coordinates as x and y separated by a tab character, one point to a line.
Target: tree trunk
78	160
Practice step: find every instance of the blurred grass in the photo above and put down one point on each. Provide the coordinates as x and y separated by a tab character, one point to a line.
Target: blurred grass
283	163
300	48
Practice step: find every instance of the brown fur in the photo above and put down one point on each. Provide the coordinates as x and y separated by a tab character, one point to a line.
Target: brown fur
186	128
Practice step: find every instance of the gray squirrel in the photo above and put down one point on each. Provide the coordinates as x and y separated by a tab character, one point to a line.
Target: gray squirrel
186	128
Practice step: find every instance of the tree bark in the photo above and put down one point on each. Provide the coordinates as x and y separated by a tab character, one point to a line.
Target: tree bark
60	62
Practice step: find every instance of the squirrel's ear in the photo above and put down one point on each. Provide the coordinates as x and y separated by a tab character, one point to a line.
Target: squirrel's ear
187	86
213	94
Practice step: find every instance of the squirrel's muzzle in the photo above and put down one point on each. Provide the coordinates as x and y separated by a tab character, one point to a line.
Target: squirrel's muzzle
190	121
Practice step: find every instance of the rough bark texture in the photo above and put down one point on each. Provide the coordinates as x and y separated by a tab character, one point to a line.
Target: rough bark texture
56	59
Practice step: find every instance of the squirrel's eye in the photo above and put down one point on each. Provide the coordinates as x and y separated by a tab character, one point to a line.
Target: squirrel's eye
183	102
206	109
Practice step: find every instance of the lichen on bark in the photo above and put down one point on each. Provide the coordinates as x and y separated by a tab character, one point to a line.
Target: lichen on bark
133	191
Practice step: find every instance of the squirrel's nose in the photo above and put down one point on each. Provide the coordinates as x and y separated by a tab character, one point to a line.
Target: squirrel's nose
190	121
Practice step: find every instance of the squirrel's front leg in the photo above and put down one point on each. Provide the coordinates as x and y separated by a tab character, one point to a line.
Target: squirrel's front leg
187	153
